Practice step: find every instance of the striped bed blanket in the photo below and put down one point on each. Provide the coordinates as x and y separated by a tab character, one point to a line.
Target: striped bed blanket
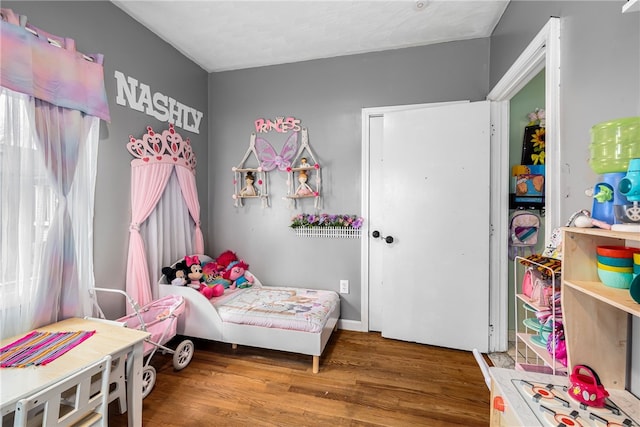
40	348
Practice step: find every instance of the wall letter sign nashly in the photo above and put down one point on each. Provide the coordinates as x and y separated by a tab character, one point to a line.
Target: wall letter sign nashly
138	96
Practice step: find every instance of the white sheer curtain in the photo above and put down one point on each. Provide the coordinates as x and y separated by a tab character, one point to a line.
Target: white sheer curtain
48	160
168	232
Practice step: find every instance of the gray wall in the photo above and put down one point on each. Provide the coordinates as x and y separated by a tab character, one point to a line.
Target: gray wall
600	66
328	96
101	27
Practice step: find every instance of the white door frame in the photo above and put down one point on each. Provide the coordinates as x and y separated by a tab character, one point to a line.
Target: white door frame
542	53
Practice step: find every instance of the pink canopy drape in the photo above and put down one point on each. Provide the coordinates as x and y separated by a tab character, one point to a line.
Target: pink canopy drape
187	182
157	155
147	185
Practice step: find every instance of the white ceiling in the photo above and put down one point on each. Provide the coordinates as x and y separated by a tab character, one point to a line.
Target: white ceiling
229	35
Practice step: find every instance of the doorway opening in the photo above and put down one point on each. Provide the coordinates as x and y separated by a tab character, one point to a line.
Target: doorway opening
543	53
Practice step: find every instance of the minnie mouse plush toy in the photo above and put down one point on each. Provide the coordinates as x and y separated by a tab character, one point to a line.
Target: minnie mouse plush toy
196	277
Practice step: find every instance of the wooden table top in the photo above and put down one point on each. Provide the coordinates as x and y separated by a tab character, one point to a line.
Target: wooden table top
17	383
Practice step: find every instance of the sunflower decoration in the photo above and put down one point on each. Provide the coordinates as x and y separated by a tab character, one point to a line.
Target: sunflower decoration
538	146
538	138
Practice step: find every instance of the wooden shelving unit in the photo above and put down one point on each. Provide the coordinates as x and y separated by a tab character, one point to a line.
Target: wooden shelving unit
596	317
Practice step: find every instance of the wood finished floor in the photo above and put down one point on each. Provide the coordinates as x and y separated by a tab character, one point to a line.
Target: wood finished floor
364	380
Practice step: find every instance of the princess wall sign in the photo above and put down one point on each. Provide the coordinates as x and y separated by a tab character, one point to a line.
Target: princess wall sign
279	124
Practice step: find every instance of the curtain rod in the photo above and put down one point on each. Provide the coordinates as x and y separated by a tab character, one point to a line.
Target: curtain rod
55	42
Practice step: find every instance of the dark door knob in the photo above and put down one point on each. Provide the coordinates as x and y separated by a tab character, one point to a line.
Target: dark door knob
376	234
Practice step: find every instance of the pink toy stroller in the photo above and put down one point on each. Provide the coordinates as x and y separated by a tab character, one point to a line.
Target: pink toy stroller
160	319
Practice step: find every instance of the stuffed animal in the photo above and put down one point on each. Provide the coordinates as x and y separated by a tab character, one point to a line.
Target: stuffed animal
237	273
177	275
235	270
226	258
213	278
194	271
196	278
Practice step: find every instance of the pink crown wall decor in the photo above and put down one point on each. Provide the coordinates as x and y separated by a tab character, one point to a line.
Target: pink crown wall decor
167	147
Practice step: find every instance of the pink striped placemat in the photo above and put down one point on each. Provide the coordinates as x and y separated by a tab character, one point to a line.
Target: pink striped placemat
40	348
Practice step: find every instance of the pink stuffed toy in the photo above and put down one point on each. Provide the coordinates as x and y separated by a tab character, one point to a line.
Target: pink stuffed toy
237	273
235	270
213	279
226	258
196	278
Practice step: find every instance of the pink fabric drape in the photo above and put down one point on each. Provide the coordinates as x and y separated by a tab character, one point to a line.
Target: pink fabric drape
62	76
148	182
64	99
156	156
187	181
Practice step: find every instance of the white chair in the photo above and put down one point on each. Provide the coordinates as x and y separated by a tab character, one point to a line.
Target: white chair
49	407
118	363
117	380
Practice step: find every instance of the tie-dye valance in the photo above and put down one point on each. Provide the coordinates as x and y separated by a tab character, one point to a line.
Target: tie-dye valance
48	67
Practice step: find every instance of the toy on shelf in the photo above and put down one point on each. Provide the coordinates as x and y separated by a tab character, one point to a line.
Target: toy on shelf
305	170
628	215
304	163
615	154
254	178
249	190
303	189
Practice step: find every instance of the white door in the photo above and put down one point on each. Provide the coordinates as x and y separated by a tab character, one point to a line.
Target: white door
430	194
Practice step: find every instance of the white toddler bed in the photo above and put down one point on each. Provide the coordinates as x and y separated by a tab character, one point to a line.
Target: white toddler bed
297	320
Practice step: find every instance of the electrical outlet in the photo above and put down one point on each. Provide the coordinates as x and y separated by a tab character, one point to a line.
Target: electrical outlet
344	286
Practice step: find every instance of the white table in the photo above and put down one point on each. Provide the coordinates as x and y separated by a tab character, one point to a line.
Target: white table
109	339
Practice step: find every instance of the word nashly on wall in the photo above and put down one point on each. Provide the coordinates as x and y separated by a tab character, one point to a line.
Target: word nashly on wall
139	97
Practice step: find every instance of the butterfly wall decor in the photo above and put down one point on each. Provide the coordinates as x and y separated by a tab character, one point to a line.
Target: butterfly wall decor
270	159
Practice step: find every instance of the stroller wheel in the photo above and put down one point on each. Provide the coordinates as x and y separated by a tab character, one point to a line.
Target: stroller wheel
148	380
183	354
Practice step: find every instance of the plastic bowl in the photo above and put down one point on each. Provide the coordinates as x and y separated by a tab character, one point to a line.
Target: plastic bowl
617	251
614	279
615	262
636	258
616	269
634	289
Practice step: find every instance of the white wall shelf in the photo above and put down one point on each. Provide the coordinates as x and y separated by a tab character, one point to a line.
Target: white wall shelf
332	232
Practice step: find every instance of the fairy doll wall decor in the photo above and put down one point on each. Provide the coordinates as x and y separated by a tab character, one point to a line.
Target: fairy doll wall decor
294	157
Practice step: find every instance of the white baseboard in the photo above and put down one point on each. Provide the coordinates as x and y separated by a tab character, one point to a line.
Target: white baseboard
350	325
